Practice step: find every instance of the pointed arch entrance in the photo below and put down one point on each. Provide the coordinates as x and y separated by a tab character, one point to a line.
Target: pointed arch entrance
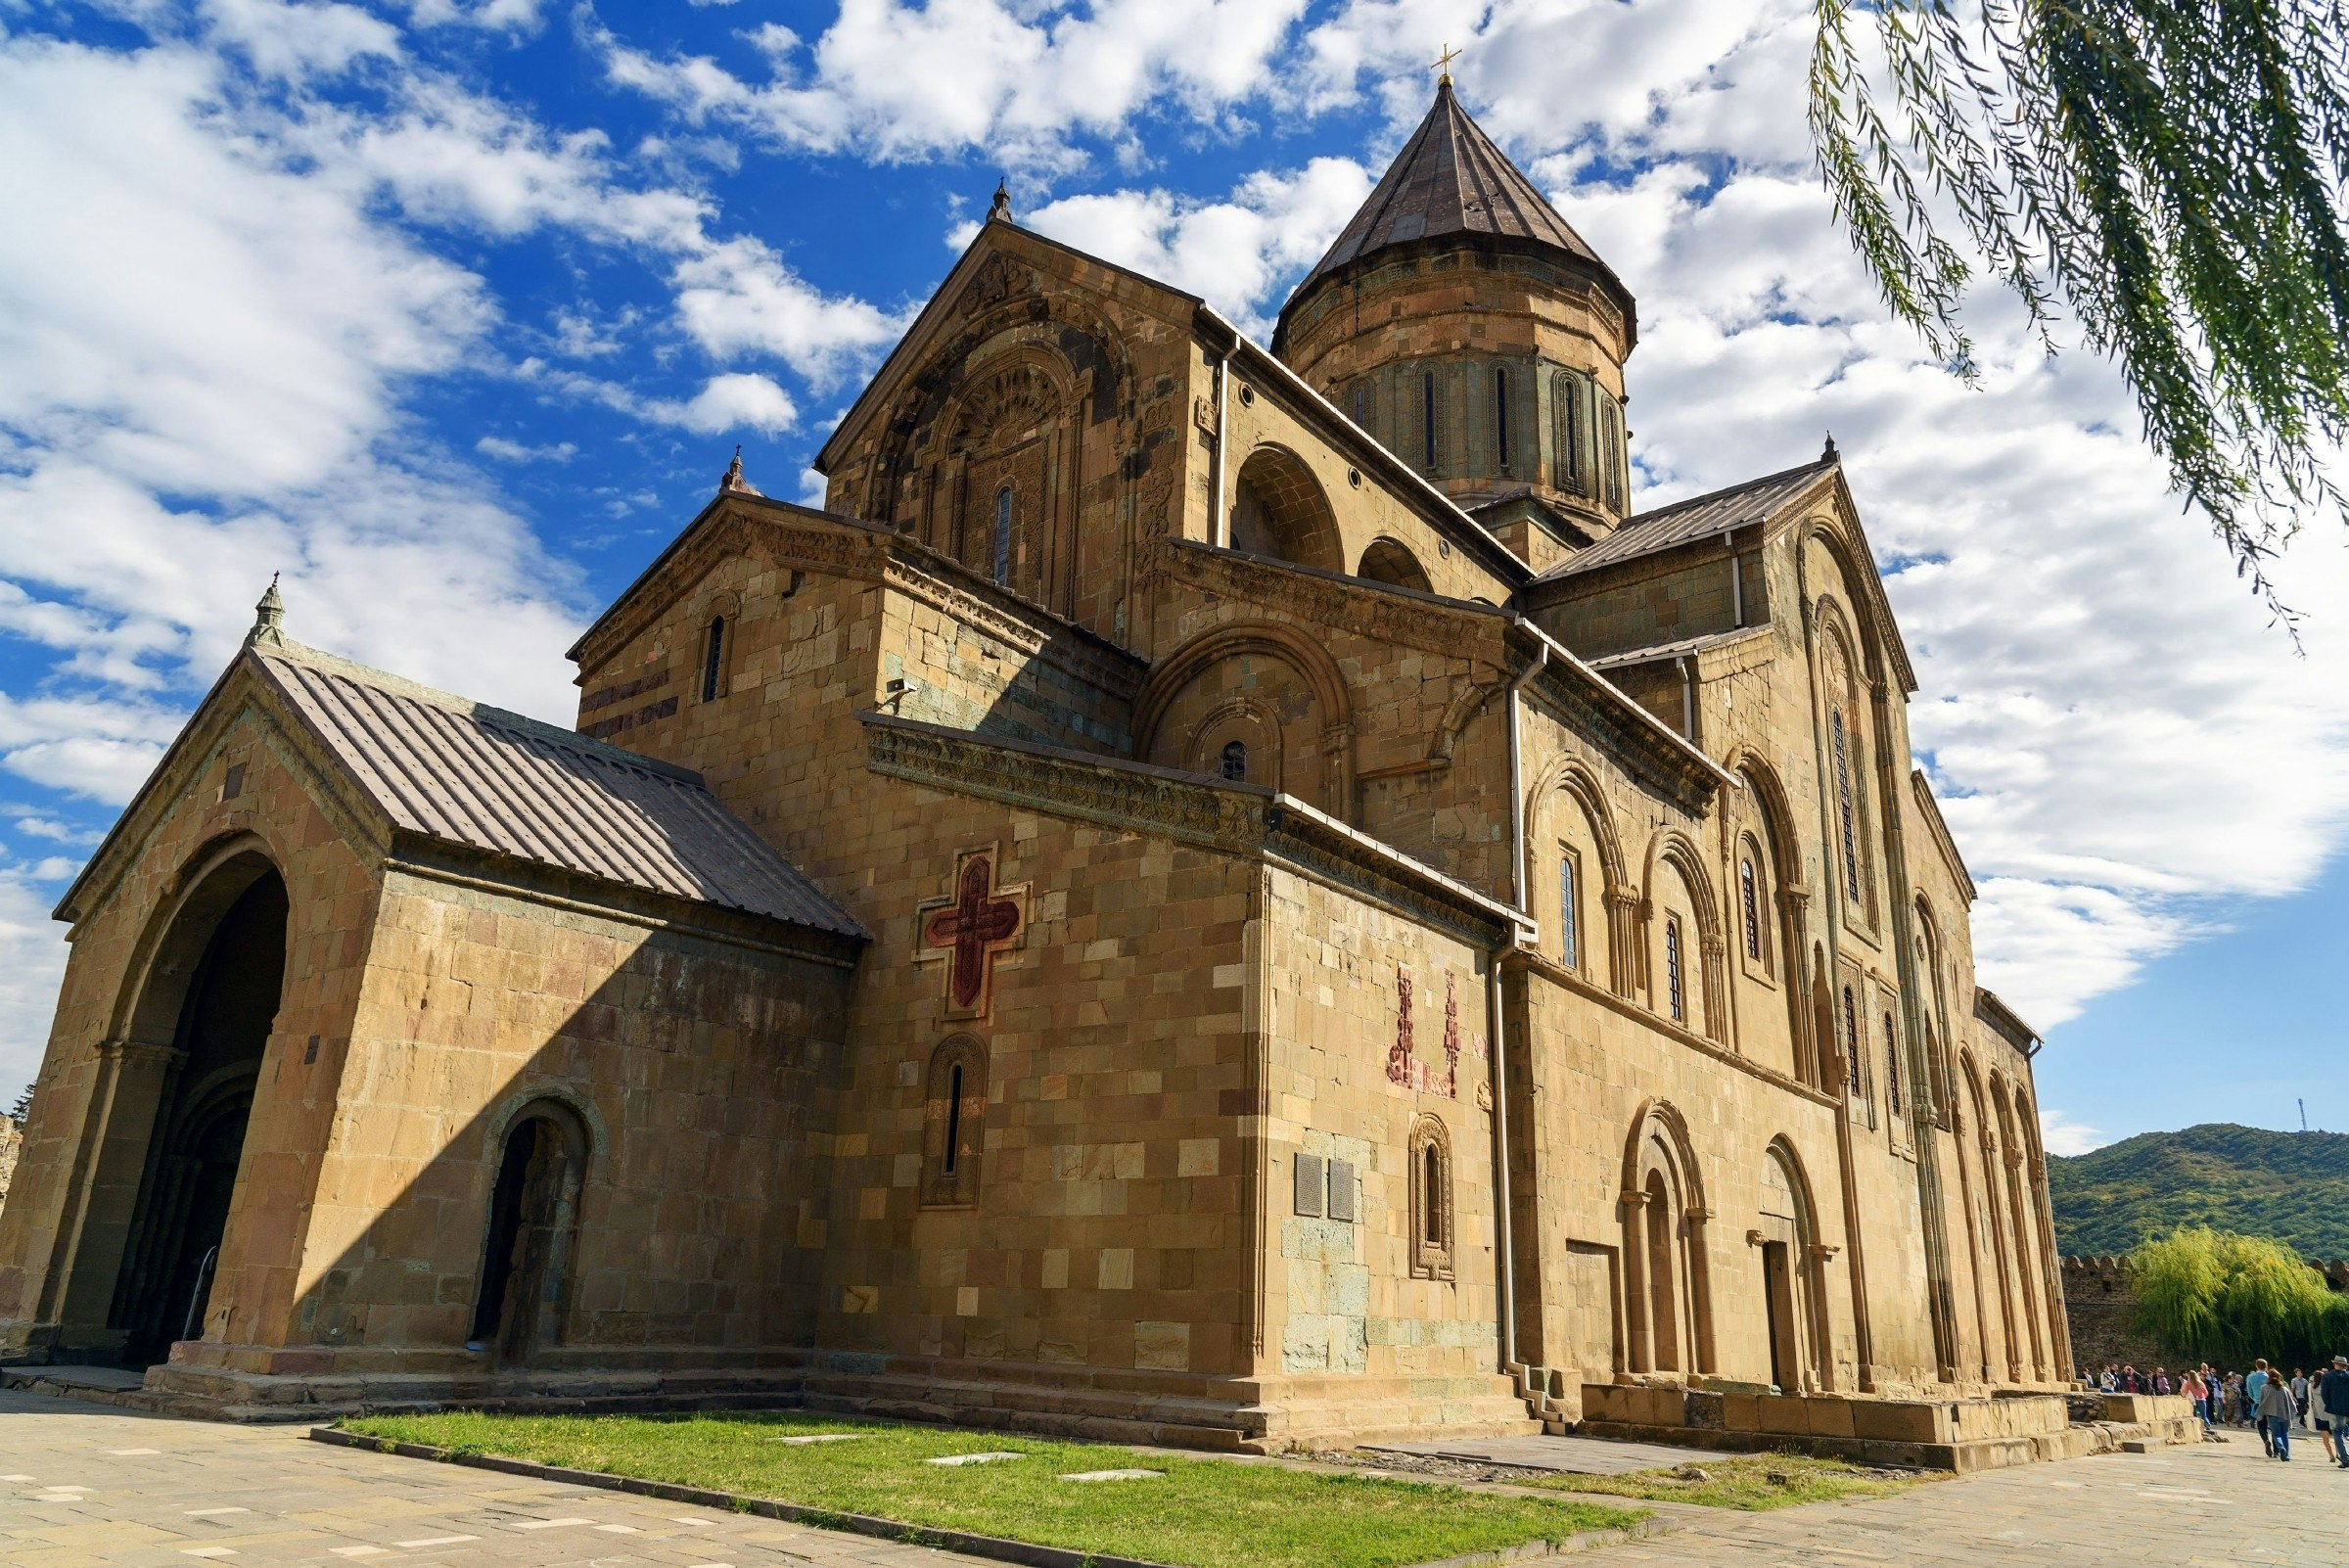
1666	1273
196	1031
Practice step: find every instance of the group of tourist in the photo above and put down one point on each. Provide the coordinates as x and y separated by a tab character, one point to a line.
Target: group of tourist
2262	1397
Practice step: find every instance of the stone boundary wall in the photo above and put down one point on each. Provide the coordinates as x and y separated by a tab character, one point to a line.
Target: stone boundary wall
2101	1303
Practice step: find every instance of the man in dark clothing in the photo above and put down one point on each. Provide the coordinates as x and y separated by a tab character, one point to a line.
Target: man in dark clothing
2332	1398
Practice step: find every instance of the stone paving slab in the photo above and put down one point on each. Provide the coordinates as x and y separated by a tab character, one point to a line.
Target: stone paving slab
2202	1505
234	1497
1570	1456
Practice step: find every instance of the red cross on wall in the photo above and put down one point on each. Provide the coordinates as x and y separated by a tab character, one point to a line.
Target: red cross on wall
971	929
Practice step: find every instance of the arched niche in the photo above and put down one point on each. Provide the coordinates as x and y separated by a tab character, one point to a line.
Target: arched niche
1667	1271
1278	510
1679	898
1272	688
1793	1273
1572	843
1390	561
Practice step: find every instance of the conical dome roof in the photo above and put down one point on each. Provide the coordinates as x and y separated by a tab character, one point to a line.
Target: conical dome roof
1450	182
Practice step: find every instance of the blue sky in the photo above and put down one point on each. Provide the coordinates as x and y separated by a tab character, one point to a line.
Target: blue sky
452	311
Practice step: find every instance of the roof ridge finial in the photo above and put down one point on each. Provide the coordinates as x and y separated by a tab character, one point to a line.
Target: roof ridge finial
1444	67
999	210
268	620
1829	454
734	482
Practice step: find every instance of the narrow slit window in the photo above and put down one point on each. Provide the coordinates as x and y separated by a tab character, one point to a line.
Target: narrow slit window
1892	1067
1235	761
1500	414
714	656
1569	921
954	1114
1850	1039
1427	417
1675	992
1753	909
1002	561
1431	1187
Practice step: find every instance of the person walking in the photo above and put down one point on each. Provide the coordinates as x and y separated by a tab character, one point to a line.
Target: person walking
2254	1387
2301	1396
2333	1390
2276	1416
2195	1389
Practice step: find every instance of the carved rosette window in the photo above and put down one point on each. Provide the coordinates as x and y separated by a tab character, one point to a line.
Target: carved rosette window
1433	1220
954	1125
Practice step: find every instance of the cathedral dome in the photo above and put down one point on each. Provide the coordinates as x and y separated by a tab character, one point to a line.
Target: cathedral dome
1463	322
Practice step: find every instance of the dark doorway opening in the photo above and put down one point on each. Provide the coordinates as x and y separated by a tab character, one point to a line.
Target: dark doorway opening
190	1180
531	1205
1778	1292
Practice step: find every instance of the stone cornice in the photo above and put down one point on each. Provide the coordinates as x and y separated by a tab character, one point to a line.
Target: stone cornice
1244	820
1590	706
1407	618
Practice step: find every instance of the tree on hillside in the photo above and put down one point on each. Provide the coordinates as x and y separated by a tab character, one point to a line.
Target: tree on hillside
2171	173
2204	1292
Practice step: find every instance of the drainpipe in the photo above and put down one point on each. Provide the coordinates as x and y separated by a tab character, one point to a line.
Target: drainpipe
1687	663
1504	1240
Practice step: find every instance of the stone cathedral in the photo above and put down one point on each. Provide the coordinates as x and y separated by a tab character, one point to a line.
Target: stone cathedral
1232	895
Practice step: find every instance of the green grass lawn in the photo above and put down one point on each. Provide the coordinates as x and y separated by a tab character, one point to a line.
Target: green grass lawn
1750	1481
1201	1514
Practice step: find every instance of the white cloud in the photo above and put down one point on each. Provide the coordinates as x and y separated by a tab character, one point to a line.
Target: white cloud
297	42
902	82
731	402
180	313
32	961
1235	253
739	296
2058	1134
506	451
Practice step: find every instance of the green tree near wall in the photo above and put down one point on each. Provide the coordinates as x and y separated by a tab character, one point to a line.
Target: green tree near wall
2170	172
2214	1294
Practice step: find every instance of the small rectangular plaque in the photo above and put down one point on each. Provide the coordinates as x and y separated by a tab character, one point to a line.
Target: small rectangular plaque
1309	1185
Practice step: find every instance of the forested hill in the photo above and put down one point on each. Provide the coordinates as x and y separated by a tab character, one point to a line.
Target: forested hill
2293	1186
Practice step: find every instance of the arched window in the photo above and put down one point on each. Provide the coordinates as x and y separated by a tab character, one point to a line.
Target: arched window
1500	415
1427	417
1569	913
1752	903
1430	1162
1892	1067
714	658
1843	805
954	1124
1002	542
1235	761
1675	987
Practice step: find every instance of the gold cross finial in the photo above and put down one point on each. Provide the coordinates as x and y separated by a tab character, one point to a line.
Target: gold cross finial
1444	64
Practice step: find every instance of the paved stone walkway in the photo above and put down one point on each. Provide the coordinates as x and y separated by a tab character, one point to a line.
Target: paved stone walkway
83	1485
2200	1506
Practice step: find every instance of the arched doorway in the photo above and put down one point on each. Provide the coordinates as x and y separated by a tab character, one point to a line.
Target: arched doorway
526	1254
227	1003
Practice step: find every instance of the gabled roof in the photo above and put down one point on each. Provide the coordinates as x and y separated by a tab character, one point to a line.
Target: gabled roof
1696	518
465	773
1449	180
